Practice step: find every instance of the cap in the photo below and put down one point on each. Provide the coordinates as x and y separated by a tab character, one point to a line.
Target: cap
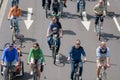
11	44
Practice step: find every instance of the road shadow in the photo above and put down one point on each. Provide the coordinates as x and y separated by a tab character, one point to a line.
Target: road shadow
68	32
26	76
25	40
69	15
24	13
106	37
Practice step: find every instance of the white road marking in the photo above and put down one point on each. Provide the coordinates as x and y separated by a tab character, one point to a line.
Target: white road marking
2	11
108	3
29	22
116	22
85	21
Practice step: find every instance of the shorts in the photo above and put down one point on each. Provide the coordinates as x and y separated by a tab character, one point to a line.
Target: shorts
38	62
102	61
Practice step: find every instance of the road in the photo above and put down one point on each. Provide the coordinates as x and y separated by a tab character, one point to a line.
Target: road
73	28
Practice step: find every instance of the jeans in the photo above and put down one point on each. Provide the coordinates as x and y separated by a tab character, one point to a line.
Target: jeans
6	68
14	20
13	2
50	42
78	4
80	65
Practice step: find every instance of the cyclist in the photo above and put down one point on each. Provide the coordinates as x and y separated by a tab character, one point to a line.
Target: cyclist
54	24
103	57
14	2
55	7
9	56
14	13
36	54
78	5
75	57
99	11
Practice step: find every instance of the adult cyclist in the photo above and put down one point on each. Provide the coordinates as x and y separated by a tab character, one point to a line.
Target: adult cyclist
103	57
75	57
99	11
78	5
14	13
54	24
36	54
14	2
9	56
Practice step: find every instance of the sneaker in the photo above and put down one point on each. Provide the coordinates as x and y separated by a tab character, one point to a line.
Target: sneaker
11	27
97	79
101	28
80	78
2	73
31	73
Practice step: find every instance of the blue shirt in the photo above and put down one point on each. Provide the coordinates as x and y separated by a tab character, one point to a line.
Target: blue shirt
100	55
9	56
75	53
54	25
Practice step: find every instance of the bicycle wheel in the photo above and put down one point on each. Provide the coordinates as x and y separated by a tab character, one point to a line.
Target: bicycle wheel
13	35
35	75
54	55
81	10
46	10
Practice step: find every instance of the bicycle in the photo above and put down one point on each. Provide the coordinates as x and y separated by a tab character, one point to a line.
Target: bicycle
10	71
103	74
98	28
46	9
54	47
35	70
15	29
76	73
81	8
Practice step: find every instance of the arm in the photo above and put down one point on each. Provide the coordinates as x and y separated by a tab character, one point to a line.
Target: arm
69	54
84	55
29	56
10	13
108	56
61	32
41	53
3	56
48	31
16	54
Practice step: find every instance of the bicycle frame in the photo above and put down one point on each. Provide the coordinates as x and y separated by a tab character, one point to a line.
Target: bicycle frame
98	29
81	8
103	74
54	48
76	74
35	71
14	29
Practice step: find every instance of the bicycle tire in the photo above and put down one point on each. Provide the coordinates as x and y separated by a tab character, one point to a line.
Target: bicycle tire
35	75
13	35
46	10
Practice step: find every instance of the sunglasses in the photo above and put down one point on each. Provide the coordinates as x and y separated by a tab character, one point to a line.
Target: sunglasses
35	46
77	43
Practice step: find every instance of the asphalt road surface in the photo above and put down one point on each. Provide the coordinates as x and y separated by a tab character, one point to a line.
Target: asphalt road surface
73	28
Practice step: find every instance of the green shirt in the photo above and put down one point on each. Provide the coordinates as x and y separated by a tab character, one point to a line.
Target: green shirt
35	54
99	9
